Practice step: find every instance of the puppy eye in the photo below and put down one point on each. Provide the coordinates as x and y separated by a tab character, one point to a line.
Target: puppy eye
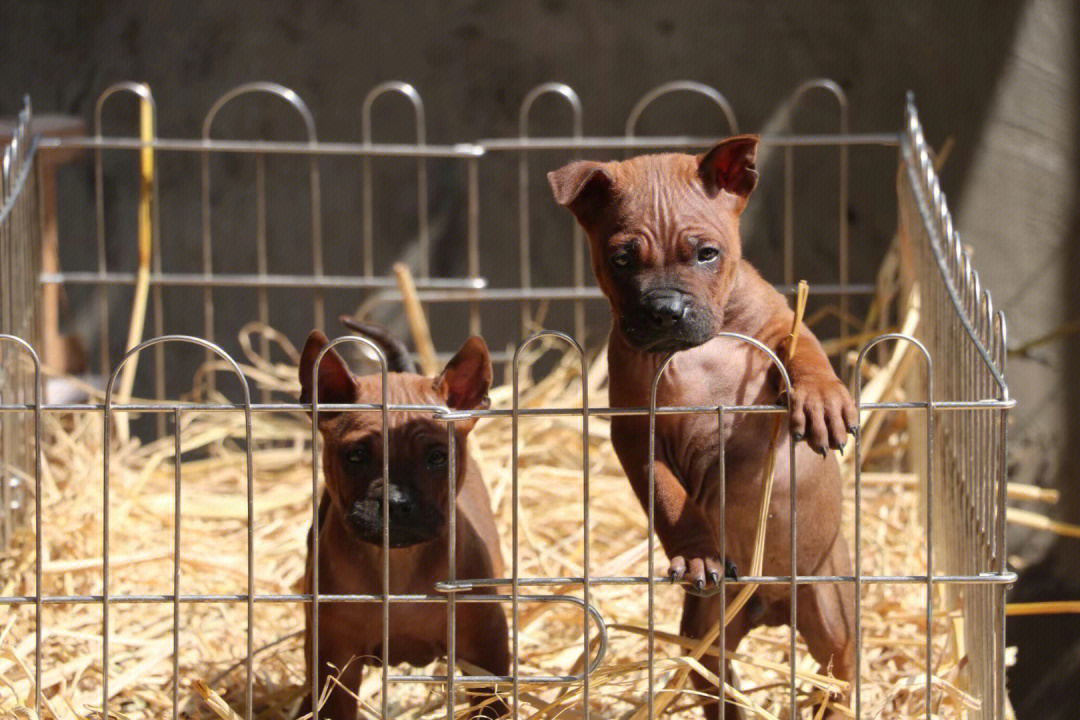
707	254
621	259
357	456
437	458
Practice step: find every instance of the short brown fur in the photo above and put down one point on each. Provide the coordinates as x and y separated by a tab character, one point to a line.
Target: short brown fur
350	551
666	251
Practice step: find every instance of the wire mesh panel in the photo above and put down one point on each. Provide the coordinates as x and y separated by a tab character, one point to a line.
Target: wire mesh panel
967	458
214	505
20	245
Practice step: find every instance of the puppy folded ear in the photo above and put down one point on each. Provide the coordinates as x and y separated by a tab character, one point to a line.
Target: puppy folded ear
465	381
336	383
583	187
729	167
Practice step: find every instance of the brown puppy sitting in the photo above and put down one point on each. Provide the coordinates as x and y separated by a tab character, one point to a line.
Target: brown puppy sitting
350	528
665	245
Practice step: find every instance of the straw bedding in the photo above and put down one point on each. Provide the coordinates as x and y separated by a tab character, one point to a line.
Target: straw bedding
213	560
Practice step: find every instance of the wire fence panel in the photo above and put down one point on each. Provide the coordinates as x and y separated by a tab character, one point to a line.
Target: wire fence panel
957	421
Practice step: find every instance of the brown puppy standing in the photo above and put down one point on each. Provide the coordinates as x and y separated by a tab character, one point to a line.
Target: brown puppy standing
350	519
664	237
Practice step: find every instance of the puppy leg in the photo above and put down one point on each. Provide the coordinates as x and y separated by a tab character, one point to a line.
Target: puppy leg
699	615
482	640
826	619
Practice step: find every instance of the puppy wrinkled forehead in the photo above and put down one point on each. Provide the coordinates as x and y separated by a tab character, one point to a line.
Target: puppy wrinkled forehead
646	172
406	429
663	191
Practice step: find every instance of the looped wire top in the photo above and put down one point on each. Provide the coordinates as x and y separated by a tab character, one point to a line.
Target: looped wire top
288	95
830	87
691	86
140	90
401	88
189	339
551	88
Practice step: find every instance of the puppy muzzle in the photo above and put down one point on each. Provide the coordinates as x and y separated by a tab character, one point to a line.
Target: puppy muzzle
413	519
667	320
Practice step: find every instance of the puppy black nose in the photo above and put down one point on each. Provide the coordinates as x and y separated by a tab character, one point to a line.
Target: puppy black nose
666	310
401	503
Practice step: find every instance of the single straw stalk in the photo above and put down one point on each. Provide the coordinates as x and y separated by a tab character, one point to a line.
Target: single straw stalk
146	250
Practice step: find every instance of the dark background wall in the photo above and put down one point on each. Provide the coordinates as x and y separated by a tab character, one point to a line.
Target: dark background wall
1001	79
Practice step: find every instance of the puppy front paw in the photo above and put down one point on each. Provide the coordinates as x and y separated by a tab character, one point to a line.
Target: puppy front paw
822	412
701	569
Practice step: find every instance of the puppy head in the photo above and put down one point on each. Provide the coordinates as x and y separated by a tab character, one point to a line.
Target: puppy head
418	489
664	237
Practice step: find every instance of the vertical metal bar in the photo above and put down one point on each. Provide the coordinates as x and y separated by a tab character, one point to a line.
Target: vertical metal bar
929	529
722	640
38	622
473	239
586	569
6	339
313	629
514	569
451	556
176	565
316	668
789	215
156	292
651	603
794	587
524	246
384	698
1002	481
102	256
652	531
207	257
367	228
858	539
8	239
842	221
249	703
319	304
261	262
106	443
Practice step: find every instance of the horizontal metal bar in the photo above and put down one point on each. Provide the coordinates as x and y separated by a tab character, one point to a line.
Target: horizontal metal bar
445	414
458	586
488	679
990	578
680	141
585	293
229	280
461	150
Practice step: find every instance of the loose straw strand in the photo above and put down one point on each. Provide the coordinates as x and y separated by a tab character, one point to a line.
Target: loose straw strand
146	250
418	324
